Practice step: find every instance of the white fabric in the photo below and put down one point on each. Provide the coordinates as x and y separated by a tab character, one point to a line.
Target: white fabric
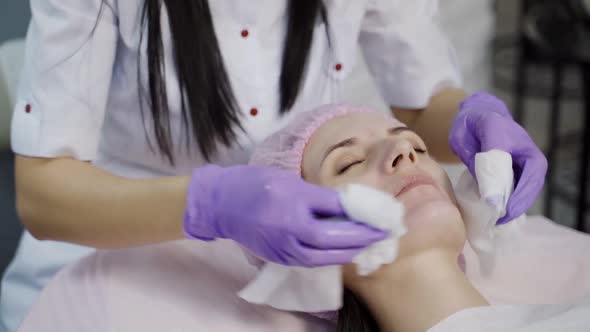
174	286
80	79
83	92
551	266
483	202
473	48
470	26
191	286
11	62
34	265
320	289
380	210
570	317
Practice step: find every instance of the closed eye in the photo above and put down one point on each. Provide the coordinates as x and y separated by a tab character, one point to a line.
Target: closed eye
419	150
348	166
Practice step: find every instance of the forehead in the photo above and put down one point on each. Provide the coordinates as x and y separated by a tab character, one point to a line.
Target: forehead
355	124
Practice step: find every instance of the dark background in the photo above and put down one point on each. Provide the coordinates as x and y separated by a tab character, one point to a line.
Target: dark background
14	17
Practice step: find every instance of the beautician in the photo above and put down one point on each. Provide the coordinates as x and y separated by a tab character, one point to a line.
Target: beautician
133	115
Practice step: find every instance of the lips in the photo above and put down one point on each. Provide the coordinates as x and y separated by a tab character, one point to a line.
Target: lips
410	182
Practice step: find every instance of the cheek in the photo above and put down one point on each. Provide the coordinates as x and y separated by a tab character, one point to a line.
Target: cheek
441	178
445	183
365	178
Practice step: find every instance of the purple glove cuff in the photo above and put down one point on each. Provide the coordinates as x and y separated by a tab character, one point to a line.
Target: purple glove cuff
198	221
484	101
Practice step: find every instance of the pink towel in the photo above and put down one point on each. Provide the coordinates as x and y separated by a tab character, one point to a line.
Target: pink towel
552	265
176	286
192	286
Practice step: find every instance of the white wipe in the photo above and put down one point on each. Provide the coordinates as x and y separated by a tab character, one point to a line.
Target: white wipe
483	202
320	289
379	210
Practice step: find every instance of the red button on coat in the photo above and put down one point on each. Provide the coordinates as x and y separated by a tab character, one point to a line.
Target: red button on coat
338	67
28	108
245	33
254	111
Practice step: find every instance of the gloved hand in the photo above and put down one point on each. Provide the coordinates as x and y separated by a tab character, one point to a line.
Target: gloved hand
484	123
274	214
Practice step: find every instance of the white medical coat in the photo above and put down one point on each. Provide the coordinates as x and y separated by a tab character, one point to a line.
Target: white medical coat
78	95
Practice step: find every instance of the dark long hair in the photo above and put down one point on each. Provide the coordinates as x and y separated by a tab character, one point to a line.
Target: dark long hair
209	110
354	316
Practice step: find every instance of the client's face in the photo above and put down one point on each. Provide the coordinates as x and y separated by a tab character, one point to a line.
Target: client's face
375	150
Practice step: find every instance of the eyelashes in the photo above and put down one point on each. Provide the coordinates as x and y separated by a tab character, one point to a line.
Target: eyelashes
348	166
420	150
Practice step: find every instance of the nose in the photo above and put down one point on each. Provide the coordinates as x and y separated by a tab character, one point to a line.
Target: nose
400	156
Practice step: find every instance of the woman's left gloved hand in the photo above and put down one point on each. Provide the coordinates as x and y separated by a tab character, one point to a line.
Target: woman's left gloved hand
484	123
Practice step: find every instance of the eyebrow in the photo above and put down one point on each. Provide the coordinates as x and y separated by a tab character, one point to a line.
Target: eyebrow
398	130
353	140
347	142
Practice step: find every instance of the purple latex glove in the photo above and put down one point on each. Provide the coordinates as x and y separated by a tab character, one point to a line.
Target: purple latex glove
484	123
274	214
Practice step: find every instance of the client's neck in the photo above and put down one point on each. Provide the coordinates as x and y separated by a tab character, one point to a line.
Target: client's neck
420	291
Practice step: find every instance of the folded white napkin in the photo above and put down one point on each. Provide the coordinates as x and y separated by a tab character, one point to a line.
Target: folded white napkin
320	289
483	202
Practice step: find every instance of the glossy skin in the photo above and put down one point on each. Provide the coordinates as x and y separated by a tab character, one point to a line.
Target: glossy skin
384	154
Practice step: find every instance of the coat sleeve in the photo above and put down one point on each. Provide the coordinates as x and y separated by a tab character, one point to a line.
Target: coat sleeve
64	87
407	53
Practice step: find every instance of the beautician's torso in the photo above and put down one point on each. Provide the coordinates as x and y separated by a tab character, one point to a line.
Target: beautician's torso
250	36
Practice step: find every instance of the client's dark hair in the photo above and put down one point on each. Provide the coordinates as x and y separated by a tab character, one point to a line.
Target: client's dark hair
354	316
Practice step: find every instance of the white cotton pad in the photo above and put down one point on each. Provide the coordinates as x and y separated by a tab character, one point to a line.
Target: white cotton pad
320	289
483	202
380	210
